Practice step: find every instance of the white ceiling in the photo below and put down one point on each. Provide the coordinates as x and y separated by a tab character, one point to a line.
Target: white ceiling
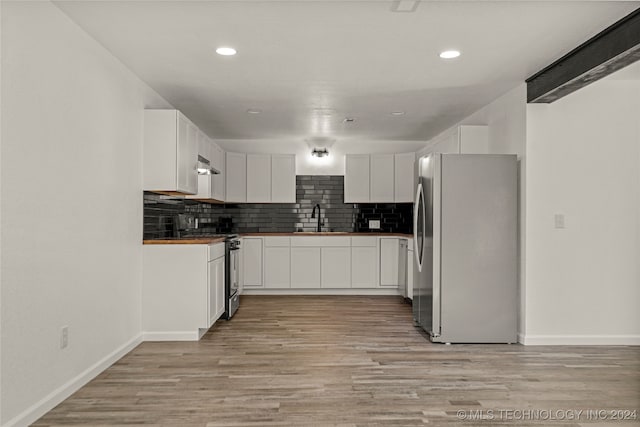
309	64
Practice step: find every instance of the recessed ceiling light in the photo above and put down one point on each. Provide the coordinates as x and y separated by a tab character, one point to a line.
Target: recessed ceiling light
449	54
226	51
397	113
254	111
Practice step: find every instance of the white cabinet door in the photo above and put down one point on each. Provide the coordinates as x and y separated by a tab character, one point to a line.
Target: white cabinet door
364	267
389	256
283	178
215	307
252	261
258	178
277	267
356	178
187	152
217	181
220	290
404	177
305	267
236	177
336	267
188	155
382	177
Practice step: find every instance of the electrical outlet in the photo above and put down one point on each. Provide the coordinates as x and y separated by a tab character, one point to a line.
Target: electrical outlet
64	337
374	224
558	221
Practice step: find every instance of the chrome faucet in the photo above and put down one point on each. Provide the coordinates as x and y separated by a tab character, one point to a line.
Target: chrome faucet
313	215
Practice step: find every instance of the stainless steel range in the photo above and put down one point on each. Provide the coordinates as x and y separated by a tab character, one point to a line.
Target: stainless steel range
232	267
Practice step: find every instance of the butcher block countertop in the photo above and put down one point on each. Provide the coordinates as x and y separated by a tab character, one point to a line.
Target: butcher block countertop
185	241
220	239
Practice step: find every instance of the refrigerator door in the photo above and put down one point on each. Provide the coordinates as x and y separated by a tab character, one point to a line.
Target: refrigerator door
476	241
423	250
435	221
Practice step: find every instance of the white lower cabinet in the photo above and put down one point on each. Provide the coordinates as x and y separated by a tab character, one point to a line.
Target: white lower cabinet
252	262
365	263
389	258
364	267
305	267
335	269
182	290
216	289
277	267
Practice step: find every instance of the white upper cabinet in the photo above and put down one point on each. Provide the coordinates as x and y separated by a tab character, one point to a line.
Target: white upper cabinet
283	178
217	181
258	178
404	177
267	178
170	152
382	178
465	139
379	178
236	177
356	178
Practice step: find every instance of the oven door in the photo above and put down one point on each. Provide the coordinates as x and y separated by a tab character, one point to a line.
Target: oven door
234	267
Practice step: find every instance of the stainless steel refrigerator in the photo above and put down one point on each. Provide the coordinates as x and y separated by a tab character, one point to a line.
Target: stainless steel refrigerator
466	248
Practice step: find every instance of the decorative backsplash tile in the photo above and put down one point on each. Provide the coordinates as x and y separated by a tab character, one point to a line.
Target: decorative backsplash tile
328	191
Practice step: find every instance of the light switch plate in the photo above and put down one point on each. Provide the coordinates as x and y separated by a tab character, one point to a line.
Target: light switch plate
374	224
558	220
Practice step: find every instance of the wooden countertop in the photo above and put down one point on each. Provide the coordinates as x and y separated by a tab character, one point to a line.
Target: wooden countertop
220	239
185	241
328	233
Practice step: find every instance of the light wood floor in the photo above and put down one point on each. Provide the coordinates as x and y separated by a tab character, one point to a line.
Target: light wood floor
350	361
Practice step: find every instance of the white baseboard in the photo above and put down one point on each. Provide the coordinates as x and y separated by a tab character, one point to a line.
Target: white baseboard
579	339
172	336
38	409
387	292
520	337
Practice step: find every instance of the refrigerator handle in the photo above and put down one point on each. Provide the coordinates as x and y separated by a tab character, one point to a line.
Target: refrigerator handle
418	251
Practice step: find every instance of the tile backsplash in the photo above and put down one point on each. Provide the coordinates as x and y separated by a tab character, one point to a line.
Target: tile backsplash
328	191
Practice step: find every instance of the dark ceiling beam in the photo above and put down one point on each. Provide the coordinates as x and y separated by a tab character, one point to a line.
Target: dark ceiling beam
612	49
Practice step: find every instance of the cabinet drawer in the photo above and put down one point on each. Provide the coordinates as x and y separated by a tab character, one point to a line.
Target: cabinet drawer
364	241
216	251
277	241
318	241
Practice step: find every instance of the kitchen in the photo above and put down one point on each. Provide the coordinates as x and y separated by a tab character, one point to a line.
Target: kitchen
71	234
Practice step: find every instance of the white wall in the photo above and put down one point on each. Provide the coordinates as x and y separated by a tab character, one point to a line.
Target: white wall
583	161
71	186
308	165
506	119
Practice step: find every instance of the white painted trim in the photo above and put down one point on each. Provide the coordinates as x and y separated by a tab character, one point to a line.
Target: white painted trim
172	336
387	292
520	337
44	405
579	339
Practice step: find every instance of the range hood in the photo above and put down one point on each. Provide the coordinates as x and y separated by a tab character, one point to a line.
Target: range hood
205	168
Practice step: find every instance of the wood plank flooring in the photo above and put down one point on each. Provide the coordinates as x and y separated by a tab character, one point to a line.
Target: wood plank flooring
348	361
